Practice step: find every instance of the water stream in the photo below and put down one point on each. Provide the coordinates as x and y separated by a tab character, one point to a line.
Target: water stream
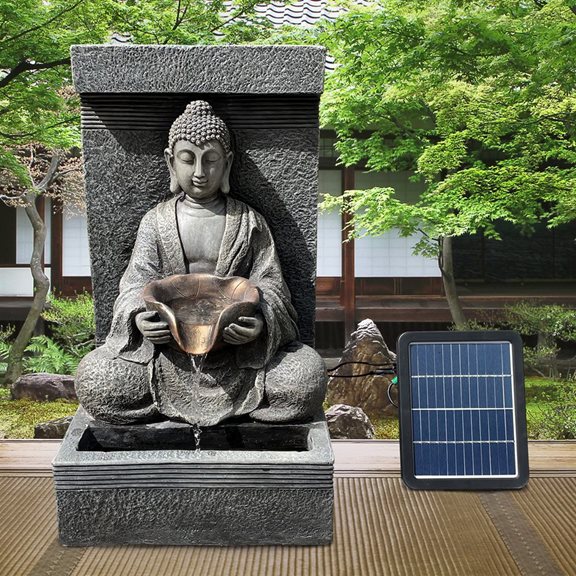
197	361
197	433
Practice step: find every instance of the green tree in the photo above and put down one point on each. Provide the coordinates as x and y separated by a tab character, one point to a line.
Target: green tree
477	98
189	21
39	116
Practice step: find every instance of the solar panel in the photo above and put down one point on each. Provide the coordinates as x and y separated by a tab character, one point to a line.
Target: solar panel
462	410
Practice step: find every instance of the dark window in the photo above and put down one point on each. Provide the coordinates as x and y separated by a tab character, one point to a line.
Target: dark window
543	255
327	149
7	235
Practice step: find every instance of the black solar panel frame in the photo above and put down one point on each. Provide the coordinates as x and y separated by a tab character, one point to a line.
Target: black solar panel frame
407	455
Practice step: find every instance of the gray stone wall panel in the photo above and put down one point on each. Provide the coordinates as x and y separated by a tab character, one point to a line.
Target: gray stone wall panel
202	69
125	177
276	173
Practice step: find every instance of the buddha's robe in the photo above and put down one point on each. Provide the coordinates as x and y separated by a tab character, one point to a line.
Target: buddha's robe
273	378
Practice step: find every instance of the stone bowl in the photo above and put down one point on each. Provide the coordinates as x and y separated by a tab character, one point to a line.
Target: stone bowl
197	307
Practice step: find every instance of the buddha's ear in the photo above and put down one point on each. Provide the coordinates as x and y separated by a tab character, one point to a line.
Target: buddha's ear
225	185
169	157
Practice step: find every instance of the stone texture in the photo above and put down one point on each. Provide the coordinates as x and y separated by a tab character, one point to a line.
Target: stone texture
370	392
201	69
209	517
118	391
52	429
193	497
116	202
348	422
44	387
274	172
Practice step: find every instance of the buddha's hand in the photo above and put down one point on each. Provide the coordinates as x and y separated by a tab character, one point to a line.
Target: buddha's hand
244	330
153	328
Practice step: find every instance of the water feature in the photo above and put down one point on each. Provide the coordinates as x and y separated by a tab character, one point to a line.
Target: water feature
198	306
197	361
197	431
120	471
235	436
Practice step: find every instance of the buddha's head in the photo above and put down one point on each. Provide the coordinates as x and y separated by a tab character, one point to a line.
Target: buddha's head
199	155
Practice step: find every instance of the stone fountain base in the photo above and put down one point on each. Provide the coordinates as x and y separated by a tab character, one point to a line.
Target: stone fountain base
248	484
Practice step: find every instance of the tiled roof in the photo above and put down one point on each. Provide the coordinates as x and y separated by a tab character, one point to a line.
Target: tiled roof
301	13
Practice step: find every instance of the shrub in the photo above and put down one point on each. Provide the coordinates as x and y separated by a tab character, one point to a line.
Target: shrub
557	420
48	356
550	323
72	326
71	322
6	335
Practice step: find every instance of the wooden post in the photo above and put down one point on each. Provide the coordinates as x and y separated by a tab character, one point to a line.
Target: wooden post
348	282
56	245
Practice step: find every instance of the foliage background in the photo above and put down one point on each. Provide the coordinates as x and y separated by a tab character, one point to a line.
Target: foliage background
475	97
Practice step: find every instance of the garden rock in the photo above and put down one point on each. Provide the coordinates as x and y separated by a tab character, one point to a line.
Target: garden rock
53	428
369	392
44	387
348	422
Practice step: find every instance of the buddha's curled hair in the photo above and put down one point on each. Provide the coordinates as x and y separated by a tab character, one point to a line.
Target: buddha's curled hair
198	124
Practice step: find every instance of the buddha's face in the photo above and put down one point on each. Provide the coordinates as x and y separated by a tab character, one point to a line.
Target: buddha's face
199	170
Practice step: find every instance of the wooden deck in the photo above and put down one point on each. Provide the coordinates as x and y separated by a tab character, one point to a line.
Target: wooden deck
352	457
380	527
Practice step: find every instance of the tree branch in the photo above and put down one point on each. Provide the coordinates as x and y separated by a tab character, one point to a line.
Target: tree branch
184	12
26	66
177	21
64	172
239	13
28	134
50	175
9	198
49	21
41	281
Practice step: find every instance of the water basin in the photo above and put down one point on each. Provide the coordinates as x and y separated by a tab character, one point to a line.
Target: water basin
197	307
246	436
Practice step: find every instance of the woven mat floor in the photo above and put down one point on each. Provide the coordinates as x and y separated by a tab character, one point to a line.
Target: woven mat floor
381	528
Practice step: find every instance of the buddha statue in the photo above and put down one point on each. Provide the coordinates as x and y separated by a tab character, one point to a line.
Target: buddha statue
261	370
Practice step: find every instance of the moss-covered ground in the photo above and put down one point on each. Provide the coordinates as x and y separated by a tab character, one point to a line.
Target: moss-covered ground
18	417
550	409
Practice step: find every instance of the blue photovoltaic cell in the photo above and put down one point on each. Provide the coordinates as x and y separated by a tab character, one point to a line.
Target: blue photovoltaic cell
463	409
